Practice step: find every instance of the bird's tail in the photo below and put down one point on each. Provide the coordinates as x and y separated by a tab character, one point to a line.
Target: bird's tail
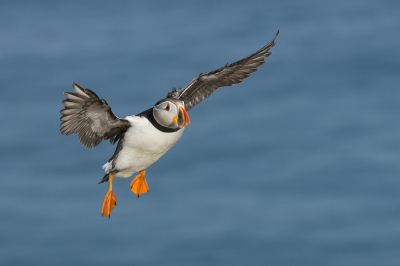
105	178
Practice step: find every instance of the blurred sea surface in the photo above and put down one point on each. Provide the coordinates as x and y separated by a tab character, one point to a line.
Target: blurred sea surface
297	165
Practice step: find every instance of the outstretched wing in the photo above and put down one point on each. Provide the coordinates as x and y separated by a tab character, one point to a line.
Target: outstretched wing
205	84
90	117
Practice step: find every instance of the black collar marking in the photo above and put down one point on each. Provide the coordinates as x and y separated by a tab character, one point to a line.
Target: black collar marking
149	115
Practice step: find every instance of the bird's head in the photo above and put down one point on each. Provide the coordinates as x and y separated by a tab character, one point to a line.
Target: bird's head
171	113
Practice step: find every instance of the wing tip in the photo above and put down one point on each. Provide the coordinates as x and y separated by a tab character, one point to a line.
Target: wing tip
273	40
276	35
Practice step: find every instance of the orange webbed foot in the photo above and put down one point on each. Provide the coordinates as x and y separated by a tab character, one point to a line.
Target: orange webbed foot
110	201
139	184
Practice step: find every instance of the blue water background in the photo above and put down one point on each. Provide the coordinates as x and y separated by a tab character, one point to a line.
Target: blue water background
297	165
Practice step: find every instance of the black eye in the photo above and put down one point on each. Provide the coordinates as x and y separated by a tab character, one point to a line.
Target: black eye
167	107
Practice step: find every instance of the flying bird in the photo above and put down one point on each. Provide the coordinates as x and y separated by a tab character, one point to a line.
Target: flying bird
145	137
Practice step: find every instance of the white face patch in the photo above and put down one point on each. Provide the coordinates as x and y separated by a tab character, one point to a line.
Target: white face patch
165	114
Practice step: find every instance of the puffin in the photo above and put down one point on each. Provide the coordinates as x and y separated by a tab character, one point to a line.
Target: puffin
145	137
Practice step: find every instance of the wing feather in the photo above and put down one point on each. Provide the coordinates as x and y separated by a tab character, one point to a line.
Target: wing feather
90	117
205	84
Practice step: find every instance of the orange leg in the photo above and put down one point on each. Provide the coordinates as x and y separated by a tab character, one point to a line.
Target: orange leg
139	184
110	201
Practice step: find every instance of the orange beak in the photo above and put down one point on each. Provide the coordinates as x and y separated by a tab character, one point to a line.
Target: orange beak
183	117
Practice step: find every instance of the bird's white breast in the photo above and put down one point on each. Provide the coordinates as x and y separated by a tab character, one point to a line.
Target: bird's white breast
143	145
